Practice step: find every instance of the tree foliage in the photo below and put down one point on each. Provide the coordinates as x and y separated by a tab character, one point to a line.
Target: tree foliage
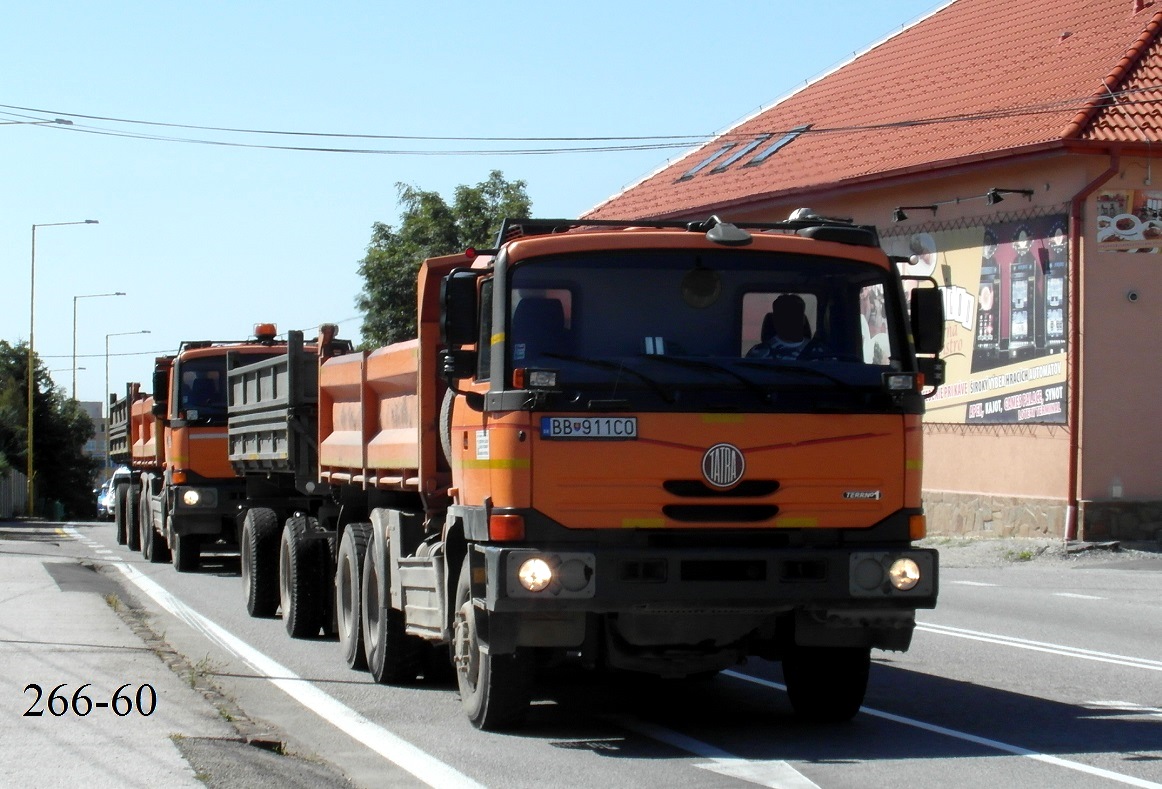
60	430
429	227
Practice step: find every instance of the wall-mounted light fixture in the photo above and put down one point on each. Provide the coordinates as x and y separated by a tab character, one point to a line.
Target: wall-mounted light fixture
993	196
899	216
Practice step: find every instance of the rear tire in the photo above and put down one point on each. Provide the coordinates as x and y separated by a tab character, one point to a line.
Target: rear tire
393	657
301	580
119	495
495	690
826	684
348	591
259	549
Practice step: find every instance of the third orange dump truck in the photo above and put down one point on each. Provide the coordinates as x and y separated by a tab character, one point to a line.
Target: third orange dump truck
659	447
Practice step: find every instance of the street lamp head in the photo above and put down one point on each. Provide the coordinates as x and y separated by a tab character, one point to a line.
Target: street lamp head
92	222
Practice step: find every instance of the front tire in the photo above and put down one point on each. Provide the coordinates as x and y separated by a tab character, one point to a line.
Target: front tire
392	655
348	592
495	690
132	516
259	561
187	552
153	545
827	684
120	493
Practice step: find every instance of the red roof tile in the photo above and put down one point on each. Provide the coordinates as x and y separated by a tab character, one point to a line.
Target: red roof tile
977	79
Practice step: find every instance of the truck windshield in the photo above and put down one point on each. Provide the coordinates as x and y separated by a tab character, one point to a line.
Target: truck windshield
709	329
202	390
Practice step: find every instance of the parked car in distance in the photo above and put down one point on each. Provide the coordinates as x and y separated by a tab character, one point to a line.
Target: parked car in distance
107	494
105	501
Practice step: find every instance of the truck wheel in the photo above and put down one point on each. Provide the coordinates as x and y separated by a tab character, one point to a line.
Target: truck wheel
301	581
826	684
187	552
153	547
495	690
132	516
392	655
348	589
121	491
446	426
260	561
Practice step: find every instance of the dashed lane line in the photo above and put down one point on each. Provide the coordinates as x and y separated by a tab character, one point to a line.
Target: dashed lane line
997	745
1042	646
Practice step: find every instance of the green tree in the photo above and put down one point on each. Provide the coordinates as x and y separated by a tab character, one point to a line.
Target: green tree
429	227
60	430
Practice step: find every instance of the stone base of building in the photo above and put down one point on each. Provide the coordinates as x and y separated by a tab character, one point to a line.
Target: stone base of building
1118	519
979	515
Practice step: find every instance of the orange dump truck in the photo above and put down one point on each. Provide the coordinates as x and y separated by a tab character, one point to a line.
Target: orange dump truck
659	447
184	493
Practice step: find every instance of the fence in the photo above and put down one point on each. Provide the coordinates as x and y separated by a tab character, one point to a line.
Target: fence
13	494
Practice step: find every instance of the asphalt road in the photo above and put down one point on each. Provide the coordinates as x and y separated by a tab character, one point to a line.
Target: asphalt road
1037	674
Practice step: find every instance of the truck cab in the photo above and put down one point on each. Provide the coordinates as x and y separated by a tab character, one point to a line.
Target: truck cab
677	444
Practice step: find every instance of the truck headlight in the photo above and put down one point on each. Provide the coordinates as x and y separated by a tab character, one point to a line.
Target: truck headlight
535	574
904	574
191	498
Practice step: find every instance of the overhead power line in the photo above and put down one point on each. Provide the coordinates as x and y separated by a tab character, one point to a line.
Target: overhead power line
554	145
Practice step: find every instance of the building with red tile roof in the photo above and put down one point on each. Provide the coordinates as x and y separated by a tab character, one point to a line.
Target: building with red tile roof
1007	150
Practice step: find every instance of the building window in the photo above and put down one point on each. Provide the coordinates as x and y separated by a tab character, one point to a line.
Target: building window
741	152
780	143
706	162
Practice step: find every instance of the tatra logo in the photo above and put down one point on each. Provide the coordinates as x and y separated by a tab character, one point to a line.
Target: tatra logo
723	465
861	494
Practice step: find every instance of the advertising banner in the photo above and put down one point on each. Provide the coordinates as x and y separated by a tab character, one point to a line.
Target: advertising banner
1129	220
1005	294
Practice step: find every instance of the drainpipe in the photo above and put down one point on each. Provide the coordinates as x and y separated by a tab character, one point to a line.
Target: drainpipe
1075	234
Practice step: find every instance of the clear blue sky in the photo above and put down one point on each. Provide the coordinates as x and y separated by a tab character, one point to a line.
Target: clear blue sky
207	240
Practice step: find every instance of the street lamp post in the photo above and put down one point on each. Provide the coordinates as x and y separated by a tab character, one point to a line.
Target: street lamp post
30	505
88	296
106	406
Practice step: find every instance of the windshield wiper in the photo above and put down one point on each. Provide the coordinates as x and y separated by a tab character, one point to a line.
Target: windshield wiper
702	364
619	368
789	367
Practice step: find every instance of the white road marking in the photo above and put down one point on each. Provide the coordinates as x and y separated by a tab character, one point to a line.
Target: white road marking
396	750
971	583
1015	750
1041	646
1128	709
1077	596
772	773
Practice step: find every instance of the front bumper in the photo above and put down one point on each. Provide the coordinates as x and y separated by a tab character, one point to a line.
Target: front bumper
632	579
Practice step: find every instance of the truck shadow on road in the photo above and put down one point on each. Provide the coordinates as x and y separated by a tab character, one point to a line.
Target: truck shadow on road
940	718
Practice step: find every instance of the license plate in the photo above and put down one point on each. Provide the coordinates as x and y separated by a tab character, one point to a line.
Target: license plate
589	428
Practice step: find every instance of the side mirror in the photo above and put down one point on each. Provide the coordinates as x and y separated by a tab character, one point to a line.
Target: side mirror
933	370
927	308
160	392
458	308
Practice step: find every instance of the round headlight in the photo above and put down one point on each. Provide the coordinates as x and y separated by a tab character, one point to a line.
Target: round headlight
191	498
534	574
905	574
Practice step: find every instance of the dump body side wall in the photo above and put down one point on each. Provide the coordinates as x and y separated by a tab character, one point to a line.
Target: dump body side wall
272	413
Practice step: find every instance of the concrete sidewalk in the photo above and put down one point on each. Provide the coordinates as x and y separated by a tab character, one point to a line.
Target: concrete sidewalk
59	626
